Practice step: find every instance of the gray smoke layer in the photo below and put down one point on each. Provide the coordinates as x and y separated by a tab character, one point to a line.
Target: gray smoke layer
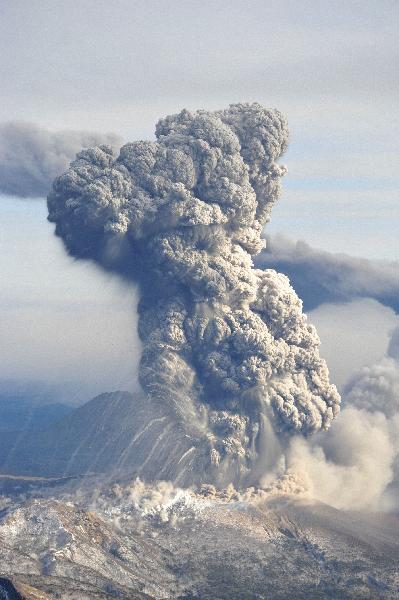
31	157
319	276
227	352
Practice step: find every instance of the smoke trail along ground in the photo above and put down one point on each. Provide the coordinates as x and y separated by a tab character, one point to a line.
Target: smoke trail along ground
226	347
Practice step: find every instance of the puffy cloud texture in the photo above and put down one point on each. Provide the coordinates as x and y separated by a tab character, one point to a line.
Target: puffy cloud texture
226	347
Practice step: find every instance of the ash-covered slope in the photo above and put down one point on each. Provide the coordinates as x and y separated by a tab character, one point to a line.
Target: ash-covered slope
69	552
75	439
94	438
165	543
16	590
116	433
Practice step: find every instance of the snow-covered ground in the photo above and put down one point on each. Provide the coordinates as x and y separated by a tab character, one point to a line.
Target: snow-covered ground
133	540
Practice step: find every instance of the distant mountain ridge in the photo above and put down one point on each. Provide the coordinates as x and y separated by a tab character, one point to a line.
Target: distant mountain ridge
20	414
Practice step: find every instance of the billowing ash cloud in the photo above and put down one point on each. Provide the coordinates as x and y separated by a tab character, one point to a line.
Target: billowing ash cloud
226	347
376	388
319	276
30	157
356	464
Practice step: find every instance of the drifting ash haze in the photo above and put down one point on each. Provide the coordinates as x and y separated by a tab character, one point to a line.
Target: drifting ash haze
320	276
30	156
228	356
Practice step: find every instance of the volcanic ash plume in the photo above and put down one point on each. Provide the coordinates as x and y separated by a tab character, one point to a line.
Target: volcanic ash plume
229	359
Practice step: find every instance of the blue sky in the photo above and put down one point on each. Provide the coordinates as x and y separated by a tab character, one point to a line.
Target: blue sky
330	67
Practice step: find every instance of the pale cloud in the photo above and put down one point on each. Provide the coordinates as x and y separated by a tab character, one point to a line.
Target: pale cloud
93	349
353	335
62	321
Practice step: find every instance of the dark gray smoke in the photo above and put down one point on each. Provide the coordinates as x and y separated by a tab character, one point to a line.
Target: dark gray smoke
227	350
30	157
319	276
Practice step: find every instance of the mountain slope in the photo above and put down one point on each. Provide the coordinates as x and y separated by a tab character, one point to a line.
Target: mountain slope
127	545
91	439
113	433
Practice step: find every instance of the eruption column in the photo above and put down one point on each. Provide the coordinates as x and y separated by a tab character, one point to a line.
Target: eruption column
226	347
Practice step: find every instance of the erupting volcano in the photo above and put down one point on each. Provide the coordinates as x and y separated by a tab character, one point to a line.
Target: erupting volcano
229	361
